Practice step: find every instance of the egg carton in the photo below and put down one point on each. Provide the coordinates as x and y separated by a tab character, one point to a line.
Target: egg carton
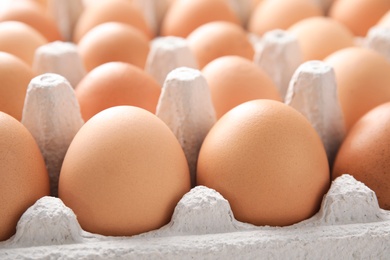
349	225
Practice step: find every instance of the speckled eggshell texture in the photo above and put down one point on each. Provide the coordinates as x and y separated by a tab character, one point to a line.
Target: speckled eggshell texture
124	173
268	161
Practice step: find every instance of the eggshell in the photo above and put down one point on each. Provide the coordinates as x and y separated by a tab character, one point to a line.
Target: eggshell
23	175
32	14
114	84
13	33
365	153
385	20
123	11
185	16
113	41
321	36
217	39
15	76
363	79
280	14
266	159
359	15
124	173
234	80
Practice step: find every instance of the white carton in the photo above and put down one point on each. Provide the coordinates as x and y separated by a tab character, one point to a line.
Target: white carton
349	225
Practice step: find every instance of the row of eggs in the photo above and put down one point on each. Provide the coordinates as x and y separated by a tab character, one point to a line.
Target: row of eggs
124	172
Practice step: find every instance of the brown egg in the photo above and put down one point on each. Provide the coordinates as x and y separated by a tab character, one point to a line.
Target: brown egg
359	15
114	84
267	160
217	39
113	42
15	75
184	16
234	80
363	79
123	11
20	40
365	153
280	14
321	36
32	14
23	175
124	173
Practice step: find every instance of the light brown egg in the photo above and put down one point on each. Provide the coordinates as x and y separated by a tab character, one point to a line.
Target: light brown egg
321	36
20	40
123	11
365	153
385	20
23	175
281	14
124	173
15	75
184	16
113	41
363	79
267	160
234	80
217	39
359	15
32	14
114	84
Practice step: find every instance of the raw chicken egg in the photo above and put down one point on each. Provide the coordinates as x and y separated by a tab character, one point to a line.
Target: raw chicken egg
217	39
114	84
319	37
124	173
113	41
234	80
32	14
359	15
184	16
280	14
365	153
15	75
23	174
363	80
20	40
267	160
385	20
123	11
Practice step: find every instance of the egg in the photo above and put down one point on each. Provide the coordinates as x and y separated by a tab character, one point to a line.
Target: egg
217	39
13	33
359	15
234	80
365	153
280	14
114	84
385	20
123	11
124	173
319	37
15	75
267	160
184	16
32	14
113	41
23	175
363	80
